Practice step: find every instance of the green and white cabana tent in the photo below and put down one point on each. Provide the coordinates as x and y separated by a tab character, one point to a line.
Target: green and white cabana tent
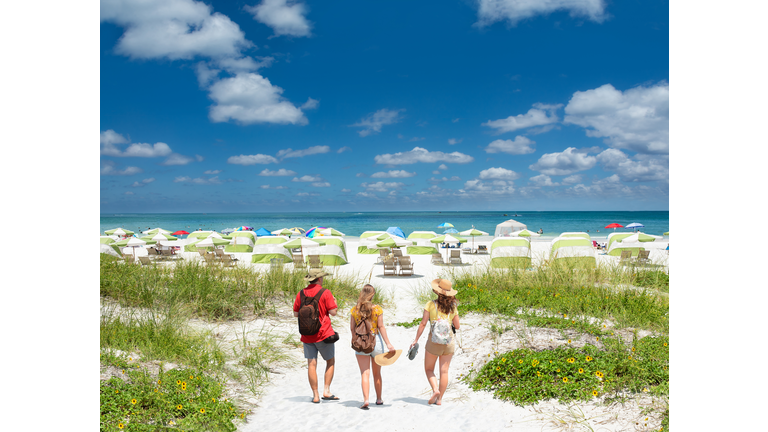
422	235
159	237
612	237
242	241
267	248
332	251
282	232
510	252
367	243
423	245
573	250
108	244
632	242
207	243
394	241
575	234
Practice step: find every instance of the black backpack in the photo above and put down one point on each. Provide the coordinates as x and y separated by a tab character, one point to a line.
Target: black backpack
309	313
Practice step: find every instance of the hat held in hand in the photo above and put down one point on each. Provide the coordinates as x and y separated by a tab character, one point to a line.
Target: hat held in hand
315	273
444	287
387	358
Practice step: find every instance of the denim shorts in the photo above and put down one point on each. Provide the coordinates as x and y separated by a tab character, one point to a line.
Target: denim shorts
325	349
378	349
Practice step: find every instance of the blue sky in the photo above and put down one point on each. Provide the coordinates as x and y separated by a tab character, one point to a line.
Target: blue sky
279	105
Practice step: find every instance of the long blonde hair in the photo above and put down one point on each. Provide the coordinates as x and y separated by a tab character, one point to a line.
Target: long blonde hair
364	305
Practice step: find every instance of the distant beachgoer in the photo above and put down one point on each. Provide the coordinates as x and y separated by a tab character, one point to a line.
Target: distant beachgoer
366	310
315	343
541	231
439	312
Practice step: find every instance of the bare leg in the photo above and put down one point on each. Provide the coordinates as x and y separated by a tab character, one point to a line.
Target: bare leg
364	363
445	364
328	377
312	374
377	380
429	369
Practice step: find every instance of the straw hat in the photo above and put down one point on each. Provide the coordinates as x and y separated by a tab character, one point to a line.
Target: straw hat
315	273
387	358
443	286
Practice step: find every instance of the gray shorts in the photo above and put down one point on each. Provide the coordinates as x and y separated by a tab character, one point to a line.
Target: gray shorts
326	350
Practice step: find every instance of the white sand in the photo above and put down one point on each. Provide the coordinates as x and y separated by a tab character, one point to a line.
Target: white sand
286	401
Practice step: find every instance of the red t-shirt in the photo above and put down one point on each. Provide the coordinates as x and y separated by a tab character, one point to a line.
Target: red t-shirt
325	303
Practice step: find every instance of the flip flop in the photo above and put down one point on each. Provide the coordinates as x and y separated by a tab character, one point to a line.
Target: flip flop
315	402
331	397
364	408
380	403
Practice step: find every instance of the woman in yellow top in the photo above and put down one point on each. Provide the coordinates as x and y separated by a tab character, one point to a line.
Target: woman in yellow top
444	307
364	309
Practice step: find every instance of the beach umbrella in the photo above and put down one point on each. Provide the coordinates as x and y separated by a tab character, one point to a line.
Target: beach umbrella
394	242
634	225
180	232
396	231
297	230
639	237
451	231
261	232
118	232
154	231
159	237
301	243
228	230
666	233
212	241
331	232
133	243
283	232
447	238
473	233
614	226
244	228
525	233
312	232
445	225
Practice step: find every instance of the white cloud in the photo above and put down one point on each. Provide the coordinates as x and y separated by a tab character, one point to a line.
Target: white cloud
366	195
419	154
109	169
444	179
198	181
414	139
212	172
436	172
285	17
177	159
310	104
250	98
345	191
321	184
520	145
199	158
291	153
382	186
607	187
393	174
111	137
513	11
307	194
251	159
542	180
143	183
343	149
129	193
173	29
572	179
361	175
498	174
278	173
453	141
540	115
644	168
442	167
276	187
637	119
374	122
566	162
497	187
307	178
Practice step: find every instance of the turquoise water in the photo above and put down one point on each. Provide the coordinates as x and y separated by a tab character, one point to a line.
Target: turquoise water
354	224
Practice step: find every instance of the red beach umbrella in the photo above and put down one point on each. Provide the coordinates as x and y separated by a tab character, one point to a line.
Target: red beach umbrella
614	226
181	232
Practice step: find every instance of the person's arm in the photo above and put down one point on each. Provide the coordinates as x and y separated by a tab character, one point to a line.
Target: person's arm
333	311
383	331
351	324
455	321
422	324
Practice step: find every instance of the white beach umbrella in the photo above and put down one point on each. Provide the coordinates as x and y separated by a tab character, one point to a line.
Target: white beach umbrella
331	232
473	232
447	238
525	233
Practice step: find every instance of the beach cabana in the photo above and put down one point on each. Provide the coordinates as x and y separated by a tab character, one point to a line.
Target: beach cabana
508	227
332	251
109	249
207	243
510	252
573	250
394	241
267	248
633	242
367	243
612	237
575	234
423	245
242	241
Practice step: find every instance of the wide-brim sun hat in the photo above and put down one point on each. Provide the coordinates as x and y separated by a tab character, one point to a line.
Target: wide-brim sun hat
444	287
387	358
313	274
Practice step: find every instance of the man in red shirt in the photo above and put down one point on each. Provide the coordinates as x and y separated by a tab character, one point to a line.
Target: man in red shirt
314	343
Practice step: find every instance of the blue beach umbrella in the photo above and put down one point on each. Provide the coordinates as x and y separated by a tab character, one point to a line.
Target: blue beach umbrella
445	225
396	231
262	232
450	231
634	225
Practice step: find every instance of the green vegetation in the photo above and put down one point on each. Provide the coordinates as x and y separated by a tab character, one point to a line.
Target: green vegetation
409	324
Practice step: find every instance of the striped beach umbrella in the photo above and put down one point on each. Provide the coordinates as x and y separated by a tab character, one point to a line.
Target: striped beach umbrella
159	237
473	233
283	232
445	225
154	231
119	232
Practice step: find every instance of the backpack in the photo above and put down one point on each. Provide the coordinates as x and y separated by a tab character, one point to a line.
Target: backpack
309	313
441	331
362	339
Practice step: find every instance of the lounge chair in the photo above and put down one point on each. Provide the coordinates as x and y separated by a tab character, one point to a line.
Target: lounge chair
168	254
406	266
314	261
456	257
209	258
389	267
437	259
298	261
382	255
642	257
397	253
202	252
626	257
219	252
144	260
228	260
482	249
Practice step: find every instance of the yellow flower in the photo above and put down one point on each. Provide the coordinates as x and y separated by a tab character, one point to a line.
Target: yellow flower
178	407
498	368
213	399
534	362
665	344
558	370
129	358
123	371
633	349
503	359
120	425
565	316
589	358
581	370
202	410
159	382
518	372
599	374
117	391
571	360
597	339
242	415
191	377
520	361
645	390
133	401
594	393
565	379
178	382
573	321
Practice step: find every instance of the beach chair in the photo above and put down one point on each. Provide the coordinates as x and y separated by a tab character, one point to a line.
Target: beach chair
389	267
314	261
168	254
275	263
202	252
642	258
456	257
437	259
625	258
482	249
397	253
209	258
228	260
382	255
298	261
219	253
406	266
145	261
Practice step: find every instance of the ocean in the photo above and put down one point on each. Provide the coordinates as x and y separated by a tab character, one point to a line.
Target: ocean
355	223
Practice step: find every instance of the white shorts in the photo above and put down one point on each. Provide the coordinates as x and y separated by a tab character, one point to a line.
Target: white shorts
378	349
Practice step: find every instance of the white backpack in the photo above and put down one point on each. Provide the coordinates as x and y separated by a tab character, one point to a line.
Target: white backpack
441	331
